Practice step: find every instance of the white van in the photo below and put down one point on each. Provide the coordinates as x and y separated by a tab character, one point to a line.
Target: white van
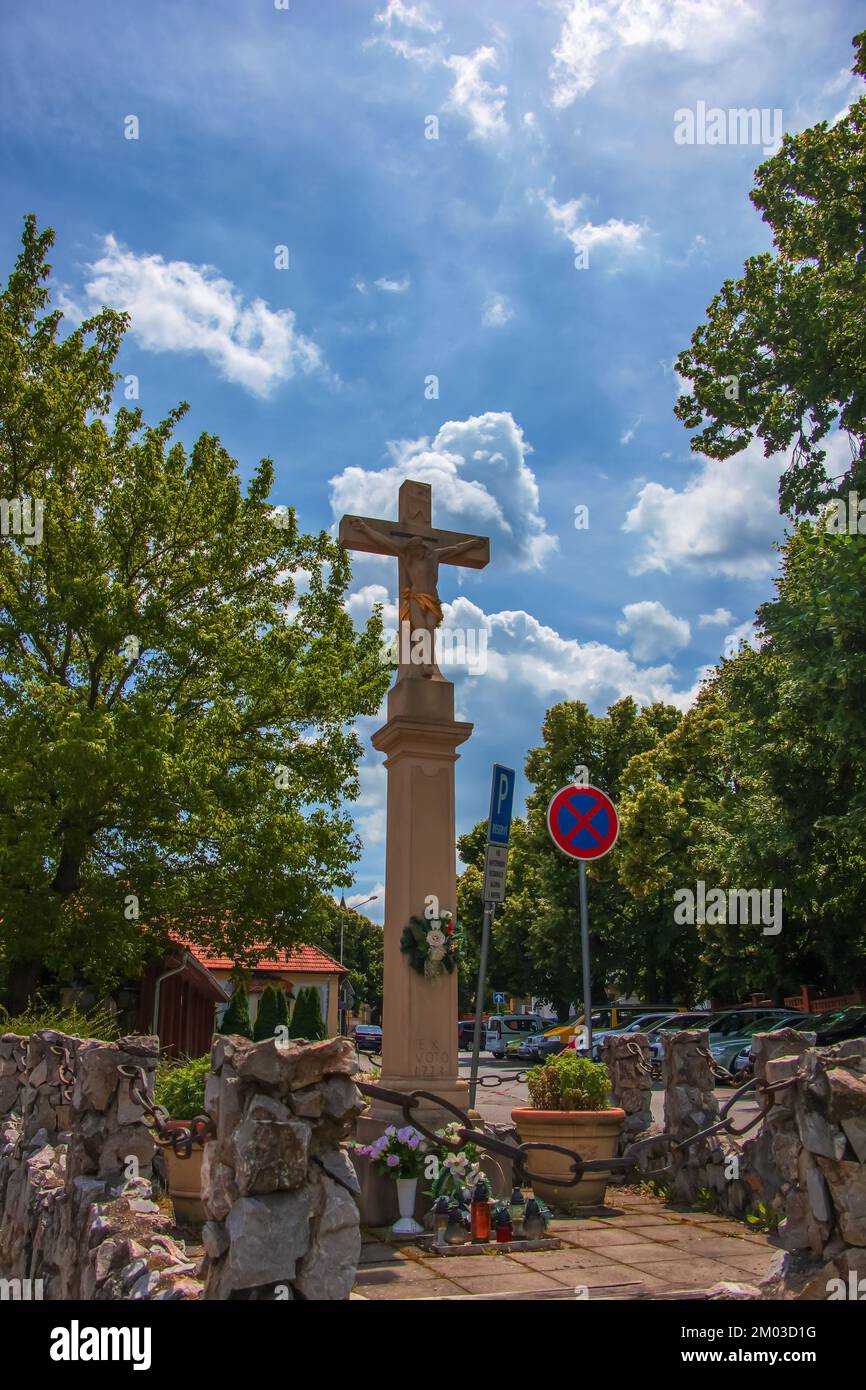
505	1028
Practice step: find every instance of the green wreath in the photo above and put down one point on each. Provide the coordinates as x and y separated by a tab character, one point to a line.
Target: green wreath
423	955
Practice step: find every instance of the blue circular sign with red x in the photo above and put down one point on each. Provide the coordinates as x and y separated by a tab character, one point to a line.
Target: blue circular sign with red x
582	822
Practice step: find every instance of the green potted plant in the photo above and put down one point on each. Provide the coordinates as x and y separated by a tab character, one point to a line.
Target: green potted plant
570	1098
179	1087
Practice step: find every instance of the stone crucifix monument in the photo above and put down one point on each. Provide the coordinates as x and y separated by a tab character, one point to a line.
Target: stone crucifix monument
419	1024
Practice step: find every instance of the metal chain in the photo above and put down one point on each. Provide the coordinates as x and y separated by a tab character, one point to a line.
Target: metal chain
157	1117
64	1071
466	1133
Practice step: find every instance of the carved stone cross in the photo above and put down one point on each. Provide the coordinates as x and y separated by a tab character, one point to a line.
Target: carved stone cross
420	550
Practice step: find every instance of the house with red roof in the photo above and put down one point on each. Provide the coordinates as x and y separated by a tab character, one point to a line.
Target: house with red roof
184	995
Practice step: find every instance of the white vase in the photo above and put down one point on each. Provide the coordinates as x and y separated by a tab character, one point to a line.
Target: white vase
407	1225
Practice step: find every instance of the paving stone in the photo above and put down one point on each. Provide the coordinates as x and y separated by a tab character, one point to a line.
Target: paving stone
643	1251
380	1254
520	1281
603	1236
406	1272
691	1273
423	1288
561	1259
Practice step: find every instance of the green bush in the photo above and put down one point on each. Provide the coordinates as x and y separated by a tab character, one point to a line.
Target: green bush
270	1015
97	1022
236	1018
179	1086
307	1021
568	1082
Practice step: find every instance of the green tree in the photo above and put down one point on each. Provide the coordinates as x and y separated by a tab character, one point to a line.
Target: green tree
363	947
266	1016
236	1018
307	1021
179	676
535	943
782	355
282	1008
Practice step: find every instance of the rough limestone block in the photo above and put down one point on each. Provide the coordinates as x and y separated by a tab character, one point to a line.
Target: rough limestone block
272	1148
328	1269
847	1183
268	1236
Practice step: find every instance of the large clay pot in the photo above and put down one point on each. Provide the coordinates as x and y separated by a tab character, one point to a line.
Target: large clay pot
184	1181
591	1133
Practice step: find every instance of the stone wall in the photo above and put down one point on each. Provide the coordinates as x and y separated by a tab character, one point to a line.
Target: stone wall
77	1204
628	1064
278	1189
803	1167
818	1129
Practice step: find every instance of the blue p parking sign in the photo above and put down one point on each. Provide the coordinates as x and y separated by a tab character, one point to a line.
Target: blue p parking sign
501	800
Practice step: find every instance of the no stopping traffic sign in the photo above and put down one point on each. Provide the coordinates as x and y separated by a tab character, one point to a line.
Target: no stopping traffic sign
583	822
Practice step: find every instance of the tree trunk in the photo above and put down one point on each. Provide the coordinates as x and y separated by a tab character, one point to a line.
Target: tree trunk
25	978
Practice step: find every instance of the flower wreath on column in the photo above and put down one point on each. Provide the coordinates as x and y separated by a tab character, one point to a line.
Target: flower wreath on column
431	944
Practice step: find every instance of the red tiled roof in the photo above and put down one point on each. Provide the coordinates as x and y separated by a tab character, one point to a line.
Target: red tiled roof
305	960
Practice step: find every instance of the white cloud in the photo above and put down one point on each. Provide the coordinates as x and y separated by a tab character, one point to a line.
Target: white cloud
584	234
744	633
497	311
481	482
724	520
719	617
628	435
412	16
653	631
595	32
472	96
393	286
179	307
540	665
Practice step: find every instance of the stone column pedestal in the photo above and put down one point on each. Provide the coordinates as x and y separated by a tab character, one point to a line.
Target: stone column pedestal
419	1023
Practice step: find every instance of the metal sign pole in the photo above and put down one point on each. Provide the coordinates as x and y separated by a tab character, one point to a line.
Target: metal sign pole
584	943
489	909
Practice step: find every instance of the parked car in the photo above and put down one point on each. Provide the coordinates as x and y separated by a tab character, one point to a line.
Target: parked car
726	1045
466	1033
368	1037
505	1028
828	1028
637	1025
719	1022
839	1026
537	1047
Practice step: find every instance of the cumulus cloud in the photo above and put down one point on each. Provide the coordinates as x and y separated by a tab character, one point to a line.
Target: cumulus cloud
744	633
539	664
412	16
584	234
481	482
497	311
652	630
719	617
724	520
472	96
393	286
594	32
179	307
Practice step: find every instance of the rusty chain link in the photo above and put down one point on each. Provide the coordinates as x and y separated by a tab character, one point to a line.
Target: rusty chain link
157	1118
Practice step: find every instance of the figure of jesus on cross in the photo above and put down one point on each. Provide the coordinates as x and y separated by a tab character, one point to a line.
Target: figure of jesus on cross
420	550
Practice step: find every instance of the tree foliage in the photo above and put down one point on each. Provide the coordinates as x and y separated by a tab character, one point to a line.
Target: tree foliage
178	674
792	331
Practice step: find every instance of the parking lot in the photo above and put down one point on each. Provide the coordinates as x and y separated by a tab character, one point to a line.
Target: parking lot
496	1101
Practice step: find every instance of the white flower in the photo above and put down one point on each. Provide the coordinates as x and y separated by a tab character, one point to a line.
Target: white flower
435	938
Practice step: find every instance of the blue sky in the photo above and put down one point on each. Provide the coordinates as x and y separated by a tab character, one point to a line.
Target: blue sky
454	257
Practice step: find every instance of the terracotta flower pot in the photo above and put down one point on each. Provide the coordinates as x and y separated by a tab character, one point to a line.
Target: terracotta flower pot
184	1181
591	1133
